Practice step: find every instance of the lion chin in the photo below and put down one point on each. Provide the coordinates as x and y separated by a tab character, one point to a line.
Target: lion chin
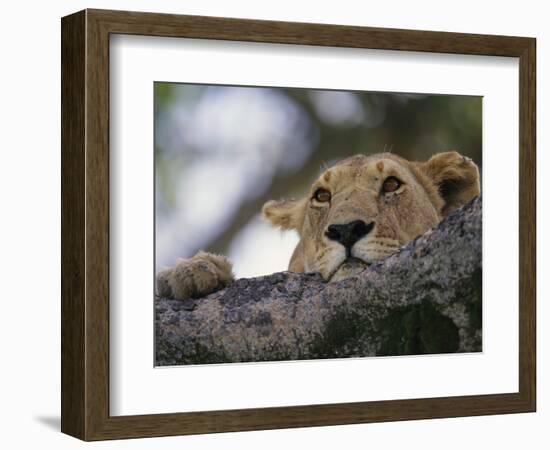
349	268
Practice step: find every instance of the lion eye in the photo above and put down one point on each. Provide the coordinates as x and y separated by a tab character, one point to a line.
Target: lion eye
391	184
322	195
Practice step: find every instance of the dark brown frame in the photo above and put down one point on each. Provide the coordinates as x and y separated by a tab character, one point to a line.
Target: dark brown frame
85	224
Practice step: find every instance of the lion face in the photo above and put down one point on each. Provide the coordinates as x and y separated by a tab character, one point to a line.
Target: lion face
364	208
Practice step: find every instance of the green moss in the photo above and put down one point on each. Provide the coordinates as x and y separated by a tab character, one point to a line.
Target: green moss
416	330
204	355
339	337
474	308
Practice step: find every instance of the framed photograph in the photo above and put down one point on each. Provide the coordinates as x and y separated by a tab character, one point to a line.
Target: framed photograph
272	225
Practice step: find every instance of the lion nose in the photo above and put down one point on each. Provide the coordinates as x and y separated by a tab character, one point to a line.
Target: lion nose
349	233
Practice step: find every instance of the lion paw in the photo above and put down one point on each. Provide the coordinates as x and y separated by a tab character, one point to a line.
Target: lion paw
195	277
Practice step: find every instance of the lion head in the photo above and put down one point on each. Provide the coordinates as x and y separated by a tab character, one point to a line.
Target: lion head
364	208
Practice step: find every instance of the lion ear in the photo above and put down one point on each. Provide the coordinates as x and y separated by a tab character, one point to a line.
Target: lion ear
456	178
286	214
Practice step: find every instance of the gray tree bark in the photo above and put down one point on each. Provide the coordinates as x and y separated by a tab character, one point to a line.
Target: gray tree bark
424	299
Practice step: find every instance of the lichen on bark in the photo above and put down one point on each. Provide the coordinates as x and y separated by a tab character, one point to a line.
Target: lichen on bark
426	298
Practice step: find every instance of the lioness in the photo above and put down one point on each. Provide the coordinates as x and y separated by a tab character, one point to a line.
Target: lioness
359	211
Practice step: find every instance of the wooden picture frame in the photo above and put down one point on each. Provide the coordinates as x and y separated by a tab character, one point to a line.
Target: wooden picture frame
85	224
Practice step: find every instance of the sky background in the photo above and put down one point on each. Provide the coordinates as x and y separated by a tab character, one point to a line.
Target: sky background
222	151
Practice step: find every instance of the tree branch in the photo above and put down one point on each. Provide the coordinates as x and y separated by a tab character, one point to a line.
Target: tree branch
424	299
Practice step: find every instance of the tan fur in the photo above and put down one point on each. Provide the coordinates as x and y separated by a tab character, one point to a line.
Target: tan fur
195	277
429	191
